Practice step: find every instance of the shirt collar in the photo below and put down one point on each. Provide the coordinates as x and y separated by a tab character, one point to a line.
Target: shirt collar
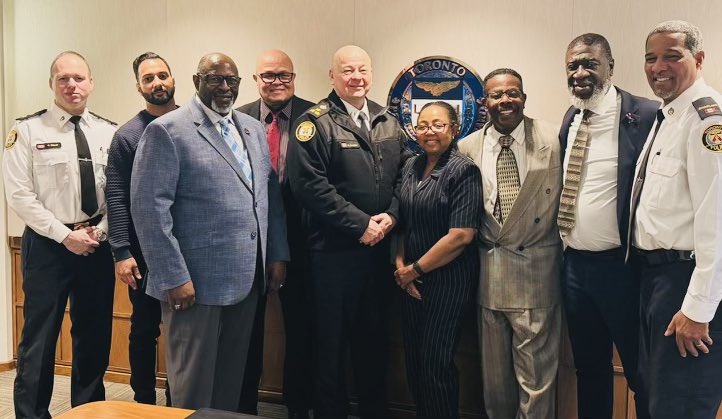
265	110
609	101
353	111
62	117
518	134
214	116
676	107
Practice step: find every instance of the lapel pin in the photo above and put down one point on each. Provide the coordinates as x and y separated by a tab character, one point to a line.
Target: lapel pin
246	131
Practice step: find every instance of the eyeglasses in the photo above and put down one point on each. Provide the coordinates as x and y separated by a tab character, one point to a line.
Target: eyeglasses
436	127
511	94
269	78
217	80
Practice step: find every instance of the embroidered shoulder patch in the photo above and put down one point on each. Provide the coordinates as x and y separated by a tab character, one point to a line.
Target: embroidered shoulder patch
305	131
706	107
11	139
712	138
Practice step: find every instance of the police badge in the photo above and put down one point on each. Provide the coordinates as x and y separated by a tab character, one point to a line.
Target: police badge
436	78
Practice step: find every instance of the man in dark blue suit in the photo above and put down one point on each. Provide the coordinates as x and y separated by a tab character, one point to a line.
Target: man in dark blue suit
277	108
601	137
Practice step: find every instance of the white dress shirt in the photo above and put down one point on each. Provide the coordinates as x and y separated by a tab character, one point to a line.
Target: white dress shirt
42	174
596	227
491	151
353	112
215	119
679	207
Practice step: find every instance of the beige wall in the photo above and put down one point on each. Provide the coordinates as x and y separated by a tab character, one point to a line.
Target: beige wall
530	36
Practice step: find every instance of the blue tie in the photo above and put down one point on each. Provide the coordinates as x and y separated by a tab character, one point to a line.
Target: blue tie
240	153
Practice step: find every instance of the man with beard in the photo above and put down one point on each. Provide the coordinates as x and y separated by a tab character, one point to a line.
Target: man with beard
519	314
601	136
676	230
209	216
277	108
155	83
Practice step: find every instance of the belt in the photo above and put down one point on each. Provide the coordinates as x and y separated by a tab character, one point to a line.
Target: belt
662	256
87	223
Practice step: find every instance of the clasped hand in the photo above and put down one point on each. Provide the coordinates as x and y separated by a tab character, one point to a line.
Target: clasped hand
379	226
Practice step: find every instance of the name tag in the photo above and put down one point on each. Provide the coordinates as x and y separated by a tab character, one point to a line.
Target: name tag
349	144
48	146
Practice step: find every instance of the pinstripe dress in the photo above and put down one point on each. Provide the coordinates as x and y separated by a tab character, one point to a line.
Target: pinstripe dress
450	197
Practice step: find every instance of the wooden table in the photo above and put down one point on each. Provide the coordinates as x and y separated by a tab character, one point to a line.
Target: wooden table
124	410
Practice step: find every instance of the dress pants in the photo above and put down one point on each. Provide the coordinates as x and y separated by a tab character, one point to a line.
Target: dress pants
519	361
248	402
687	388
432	328
51	274
601	298
351	295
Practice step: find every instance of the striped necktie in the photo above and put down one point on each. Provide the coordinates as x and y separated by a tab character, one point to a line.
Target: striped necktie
238	151
573	178
507	179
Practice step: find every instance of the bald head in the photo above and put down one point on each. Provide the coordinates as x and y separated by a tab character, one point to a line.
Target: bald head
217	82
351	74
213	59
275	78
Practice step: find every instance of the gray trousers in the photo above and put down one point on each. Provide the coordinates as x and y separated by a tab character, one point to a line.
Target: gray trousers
206	349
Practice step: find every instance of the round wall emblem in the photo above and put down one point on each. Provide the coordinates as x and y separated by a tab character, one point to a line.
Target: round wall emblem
438	78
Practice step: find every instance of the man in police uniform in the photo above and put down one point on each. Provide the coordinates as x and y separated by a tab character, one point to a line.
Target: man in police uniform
675	216
54	171
343	164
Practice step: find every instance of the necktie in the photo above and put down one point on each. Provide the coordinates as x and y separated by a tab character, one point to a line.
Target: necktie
507	180
573	178
362	122
88	199
639	181
240	153
274	141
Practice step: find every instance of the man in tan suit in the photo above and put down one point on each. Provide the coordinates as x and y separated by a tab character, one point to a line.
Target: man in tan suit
519	314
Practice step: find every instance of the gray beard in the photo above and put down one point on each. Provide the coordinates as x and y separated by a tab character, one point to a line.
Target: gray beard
594	100
220	110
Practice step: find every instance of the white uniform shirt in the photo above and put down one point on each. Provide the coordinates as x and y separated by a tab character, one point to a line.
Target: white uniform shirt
41	171
596	228
679	206
492	148
353	112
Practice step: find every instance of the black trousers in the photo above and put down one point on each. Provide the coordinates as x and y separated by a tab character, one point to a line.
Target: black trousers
351	290
51	274
689	388
601	298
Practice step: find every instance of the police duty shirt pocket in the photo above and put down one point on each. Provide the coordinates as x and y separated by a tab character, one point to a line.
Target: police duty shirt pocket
100	162
660	180
51	168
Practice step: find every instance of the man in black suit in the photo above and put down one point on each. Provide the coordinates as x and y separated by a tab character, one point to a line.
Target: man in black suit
277	108
601	137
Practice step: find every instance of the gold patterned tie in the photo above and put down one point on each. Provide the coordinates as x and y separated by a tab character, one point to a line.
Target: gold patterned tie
507	180
573	178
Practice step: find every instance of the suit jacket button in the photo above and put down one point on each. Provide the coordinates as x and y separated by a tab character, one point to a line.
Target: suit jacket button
536	220
496	245
253	235
520	248
548	191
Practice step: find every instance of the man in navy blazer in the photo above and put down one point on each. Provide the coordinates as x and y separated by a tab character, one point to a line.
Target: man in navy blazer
210	220
600	295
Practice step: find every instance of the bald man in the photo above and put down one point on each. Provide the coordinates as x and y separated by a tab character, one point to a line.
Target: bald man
277	108
209	215
343	164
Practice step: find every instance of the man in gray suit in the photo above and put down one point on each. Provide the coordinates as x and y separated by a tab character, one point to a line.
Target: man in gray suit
519	314
210	220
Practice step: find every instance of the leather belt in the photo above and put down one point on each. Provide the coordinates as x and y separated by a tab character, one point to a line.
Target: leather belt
662	256
88	223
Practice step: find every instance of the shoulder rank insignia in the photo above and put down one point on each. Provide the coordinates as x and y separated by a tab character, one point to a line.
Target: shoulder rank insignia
706	107
318	110
11	139
32	115
104	119
712	138
305	131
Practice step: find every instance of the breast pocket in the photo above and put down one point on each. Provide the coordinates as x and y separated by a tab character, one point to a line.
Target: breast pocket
51	168
661	180
100	163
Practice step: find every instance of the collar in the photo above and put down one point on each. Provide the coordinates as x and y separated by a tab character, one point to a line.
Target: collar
518	133
61	117
285	111
353	112
214	116
609	101
677	107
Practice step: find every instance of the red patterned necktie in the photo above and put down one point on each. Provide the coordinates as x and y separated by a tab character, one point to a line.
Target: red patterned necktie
274	141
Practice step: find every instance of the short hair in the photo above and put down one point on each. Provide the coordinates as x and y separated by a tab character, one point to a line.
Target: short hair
592	39
68	52
502	71
147	56
692	34
453	115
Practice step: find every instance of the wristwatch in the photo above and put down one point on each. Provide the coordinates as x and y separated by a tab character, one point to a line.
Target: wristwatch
101	235
418	269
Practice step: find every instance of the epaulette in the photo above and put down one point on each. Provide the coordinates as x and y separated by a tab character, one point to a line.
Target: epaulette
38	113
104	119
706	107
318	110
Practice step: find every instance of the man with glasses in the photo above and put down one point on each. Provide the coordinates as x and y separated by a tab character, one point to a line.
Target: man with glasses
519	313
209	216
601	136
277	108
343	165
